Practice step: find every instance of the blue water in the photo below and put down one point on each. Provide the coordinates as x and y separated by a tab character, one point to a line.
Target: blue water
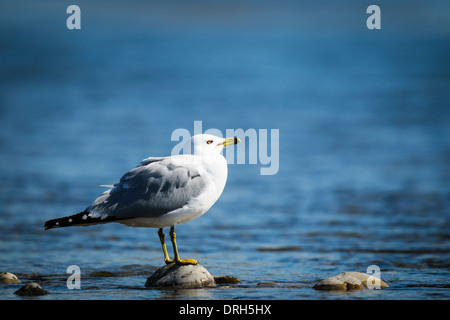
364	125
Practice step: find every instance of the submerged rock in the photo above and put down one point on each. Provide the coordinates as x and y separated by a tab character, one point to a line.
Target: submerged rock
350	281
8	277
267	284
31	289
103	274
181	276
226	280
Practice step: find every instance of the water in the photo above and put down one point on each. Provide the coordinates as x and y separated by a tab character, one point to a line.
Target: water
364	143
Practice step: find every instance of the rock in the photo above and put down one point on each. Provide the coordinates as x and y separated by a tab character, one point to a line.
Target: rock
267	284
31	289
8	277
226	280
348	281
181	276
363	277
103	274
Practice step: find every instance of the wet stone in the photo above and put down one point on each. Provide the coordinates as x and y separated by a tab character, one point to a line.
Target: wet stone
349	281
267	284
226	280
31	289
180	276
103	274
8	277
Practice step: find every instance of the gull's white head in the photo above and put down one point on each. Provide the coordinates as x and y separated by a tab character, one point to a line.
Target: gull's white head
207	144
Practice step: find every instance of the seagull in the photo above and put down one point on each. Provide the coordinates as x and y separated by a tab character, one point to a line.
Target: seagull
162	192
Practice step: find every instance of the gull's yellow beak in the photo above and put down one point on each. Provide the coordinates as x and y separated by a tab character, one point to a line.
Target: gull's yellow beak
231	141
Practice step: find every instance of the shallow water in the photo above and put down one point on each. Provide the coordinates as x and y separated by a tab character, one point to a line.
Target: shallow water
364	145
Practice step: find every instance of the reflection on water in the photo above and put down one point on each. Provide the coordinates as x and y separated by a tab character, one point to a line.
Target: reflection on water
364	148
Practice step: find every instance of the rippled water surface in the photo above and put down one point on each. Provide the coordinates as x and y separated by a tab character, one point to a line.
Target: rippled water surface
364	149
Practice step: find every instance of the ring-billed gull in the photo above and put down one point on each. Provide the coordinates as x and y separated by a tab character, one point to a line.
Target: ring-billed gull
162	192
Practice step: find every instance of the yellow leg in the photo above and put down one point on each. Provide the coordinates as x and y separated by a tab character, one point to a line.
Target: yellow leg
163	243
177	259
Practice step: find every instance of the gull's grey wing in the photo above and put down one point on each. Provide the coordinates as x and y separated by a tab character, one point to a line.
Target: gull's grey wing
152	189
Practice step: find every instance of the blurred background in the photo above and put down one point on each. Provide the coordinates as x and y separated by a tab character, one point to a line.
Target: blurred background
364	126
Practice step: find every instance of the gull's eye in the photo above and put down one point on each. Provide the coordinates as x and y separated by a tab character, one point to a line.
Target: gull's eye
209	142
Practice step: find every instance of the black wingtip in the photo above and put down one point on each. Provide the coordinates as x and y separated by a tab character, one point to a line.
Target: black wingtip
65	221
49	225
54	223
79	219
